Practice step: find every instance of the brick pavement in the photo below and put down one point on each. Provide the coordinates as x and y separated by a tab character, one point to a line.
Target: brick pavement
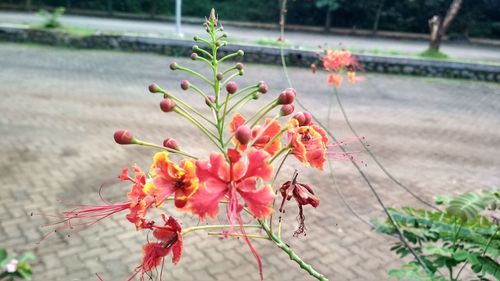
59	108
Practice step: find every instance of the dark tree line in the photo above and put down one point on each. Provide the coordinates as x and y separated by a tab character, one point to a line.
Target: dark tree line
477	18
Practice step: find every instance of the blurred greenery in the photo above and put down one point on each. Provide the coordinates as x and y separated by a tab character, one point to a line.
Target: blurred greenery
478	18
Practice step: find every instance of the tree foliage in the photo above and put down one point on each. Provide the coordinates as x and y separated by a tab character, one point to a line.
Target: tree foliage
478	18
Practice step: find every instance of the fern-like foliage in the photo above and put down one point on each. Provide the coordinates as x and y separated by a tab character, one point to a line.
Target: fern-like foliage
460	236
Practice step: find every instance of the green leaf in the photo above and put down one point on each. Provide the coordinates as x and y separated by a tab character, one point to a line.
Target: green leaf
25	272
467	206
3	255
460	255
442	199
26	257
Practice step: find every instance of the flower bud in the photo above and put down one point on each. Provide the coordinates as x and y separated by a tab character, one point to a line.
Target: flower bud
173	66
194	56
286	97
231	87
170	143
314	68
184	84
308	118
123	137
239	66
256	96
287	109
219	76
224	35
241	72
304	118
241	53
196	38
263	87
154	88
243	134
167	105
210	100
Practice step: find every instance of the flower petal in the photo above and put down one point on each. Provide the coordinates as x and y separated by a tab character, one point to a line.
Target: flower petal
206	200
236	122
259	201
257	164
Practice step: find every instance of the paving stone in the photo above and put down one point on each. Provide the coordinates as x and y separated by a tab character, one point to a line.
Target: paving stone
438	136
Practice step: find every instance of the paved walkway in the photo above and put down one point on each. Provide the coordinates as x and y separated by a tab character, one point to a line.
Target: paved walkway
59	108
305	39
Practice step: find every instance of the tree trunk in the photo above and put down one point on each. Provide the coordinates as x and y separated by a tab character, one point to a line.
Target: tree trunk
328	20
110	7
438	28
153	8
377	16
435	39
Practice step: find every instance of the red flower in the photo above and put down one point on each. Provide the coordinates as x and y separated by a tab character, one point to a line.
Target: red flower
169	178
339	59
263	136
169	240
220	178
86	215
308	143
303	194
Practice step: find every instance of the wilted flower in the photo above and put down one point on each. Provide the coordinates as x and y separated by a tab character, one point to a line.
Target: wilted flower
303	194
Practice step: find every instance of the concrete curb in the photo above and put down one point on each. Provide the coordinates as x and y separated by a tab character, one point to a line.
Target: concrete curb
257	54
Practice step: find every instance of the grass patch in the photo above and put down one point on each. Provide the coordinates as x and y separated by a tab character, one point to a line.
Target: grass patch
272	42
75	31
433	54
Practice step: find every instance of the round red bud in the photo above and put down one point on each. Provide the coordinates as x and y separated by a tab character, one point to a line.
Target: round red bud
300	118
184	84
194	56
173	66
243	134
219	76
287	109
231	87
123	137
167	105
170	143
308	118
210	100
239	66
286	97
154	88
263	87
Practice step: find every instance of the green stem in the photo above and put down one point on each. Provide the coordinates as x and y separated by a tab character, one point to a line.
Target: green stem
198	49
230	56
194	73
254	87
207	133
143	143
293	256
196	89
271	106
187	106
286	148
241	102
229	78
